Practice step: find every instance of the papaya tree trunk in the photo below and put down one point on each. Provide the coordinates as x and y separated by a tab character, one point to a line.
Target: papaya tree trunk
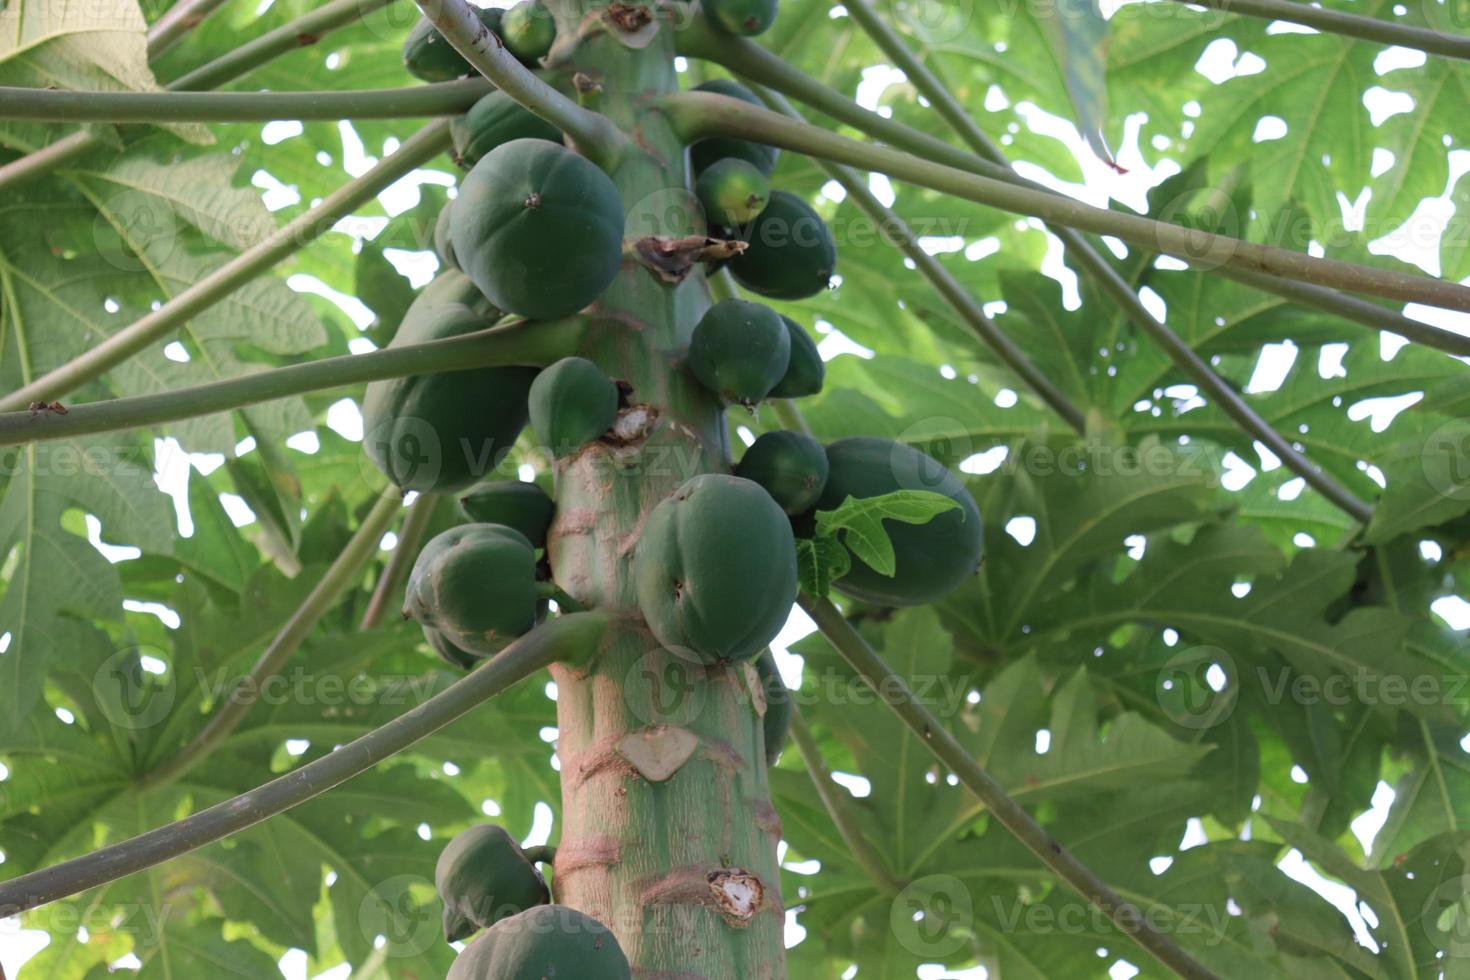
668	834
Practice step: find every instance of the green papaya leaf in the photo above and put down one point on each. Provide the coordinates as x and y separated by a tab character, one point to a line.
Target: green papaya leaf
860	522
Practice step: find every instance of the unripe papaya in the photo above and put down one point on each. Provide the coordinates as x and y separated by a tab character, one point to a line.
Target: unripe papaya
705	153
429	57
572	403
443	247
715	568
523	506
732	191
443	432
448	652
538	228
777	721
529	30
739	350
790	253
475	584
933	558
448	288
483	876
744	17
805	372
546	942
791	466
496	119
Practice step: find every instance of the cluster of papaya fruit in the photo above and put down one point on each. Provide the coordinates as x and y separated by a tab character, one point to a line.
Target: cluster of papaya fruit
488	882
536	232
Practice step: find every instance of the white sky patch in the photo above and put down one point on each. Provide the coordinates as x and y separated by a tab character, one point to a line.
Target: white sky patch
277	195
345	419
280	130
355	308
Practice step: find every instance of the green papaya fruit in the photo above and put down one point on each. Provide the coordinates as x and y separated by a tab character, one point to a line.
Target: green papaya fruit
739	350
715	568
443	247
932	559
447	651
777	721
572	403
805	372
705	153
548	942
538	228
452	287
517	504
789	254
483	876
493	120
430	58
791	466
732	191
443	432
529	30
746	18
475	584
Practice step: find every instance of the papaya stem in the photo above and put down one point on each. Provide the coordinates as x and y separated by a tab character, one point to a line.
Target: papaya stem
838	809
410	536
934	736
59	105
295	235
177	21
703	114
897	231
1348	25
236	704
542	854
1100	269
525	342
556	640
594	134
755	63
564	602
242	60
305	30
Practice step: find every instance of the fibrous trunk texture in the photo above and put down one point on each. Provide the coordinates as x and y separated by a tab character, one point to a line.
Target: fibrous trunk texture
668	834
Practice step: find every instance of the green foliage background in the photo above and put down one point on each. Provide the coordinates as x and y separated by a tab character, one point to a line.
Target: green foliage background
1143	568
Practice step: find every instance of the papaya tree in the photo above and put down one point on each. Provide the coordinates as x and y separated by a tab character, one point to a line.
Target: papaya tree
707	491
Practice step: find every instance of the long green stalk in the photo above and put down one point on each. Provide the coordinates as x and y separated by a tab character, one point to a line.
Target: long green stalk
417	150
937	739
235	705
702	114
755	63
177	21
1372	29
306	29
386	594
569	637
1105	275
57	105
529	343
594	134
897	231
839	808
